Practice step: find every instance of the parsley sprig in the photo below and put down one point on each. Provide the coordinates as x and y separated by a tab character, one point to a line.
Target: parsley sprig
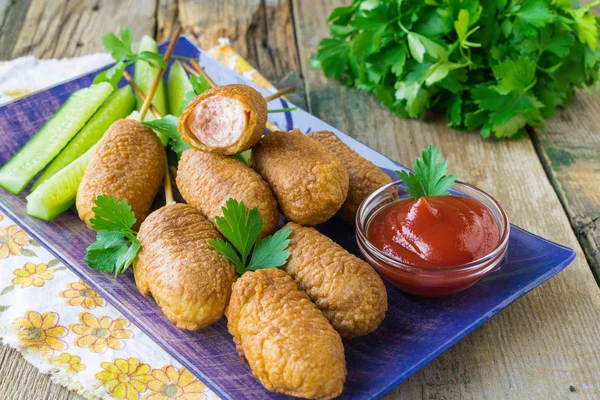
245	250
494	65
168	124
120	50
429	178
116	244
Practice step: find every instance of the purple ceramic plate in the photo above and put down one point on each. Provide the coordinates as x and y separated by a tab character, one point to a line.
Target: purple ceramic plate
415	329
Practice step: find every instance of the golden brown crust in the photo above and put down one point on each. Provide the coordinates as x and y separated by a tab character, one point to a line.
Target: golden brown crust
345	288
129	163
309	181
252	102
364	176
207	180
290	346
188	278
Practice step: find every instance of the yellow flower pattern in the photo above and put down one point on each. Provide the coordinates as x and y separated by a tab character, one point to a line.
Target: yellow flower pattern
170	383
12	241
80	294
100	334
125	379
71	362
31	274
41	331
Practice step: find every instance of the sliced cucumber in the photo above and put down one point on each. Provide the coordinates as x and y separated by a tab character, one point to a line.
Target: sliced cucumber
178	85
53	136
57	193
144	75
120	104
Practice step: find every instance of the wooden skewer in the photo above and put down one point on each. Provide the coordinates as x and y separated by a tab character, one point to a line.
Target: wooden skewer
280	92
270	126
159	74
197	70
148	102
140	94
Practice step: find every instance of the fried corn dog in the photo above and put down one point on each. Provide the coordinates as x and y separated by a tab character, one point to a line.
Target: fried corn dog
207	180
346	289
364	176
224	120
288	343
187	277
309	181
128	163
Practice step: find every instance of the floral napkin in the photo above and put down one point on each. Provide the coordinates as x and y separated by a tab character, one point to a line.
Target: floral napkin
60	324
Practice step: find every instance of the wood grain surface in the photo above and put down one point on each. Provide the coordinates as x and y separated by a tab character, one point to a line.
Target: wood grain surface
536	349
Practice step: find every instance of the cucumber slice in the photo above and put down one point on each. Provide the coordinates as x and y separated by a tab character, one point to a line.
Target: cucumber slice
144	75
57	193
178	85
117	106
53	136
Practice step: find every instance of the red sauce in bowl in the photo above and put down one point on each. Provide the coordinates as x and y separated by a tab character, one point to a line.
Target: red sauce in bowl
436	231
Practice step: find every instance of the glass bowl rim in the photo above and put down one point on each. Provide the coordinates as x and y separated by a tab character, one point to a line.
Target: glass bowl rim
395	263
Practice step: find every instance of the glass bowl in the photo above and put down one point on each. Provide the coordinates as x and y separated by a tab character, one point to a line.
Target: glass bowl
429	281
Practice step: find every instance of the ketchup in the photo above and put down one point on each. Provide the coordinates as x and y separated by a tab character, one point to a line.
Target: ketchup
435	231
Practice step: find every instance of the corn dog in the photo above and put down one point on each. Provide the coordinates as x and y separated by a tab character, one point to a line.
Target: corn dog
309	181
288	343
346	289
207	180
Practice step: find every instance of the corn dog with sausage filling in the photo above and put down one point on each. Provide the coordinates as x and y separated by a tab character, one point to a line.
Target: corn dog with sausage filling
207	180
288	343
364	176
309	181
128	163
225	119
187	277
346	289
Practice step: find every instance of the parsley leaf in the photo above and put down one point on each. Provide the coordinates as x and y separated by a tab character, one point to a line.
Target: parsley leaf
168	126
116	244
243	247
120	50
429	178
526	56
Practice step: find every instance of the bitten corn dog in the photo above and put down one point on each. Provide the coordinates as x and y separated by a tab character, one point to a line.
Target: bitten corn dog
187	277
224	120
364	176
288	343
128	163
309	181
346	289
207	180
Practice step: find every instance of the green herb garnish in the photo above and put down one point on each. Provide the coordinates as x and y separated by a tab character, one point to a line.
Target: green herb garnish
243	248
493	65
429	178
120	50
168	126
116	244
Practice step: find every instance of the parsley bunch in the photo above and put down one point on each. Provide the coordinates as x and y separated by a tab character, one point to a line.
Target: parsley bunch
120	50
493	65
243	247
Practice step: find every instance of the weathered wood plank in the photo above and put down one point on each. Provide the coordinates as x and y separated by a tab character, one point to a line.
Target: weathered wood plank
261	31
12	15
547	341
570	150
55	29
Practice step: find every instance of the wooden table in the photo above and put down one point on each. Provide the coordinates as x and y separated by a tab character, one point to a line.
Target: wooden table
546	345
